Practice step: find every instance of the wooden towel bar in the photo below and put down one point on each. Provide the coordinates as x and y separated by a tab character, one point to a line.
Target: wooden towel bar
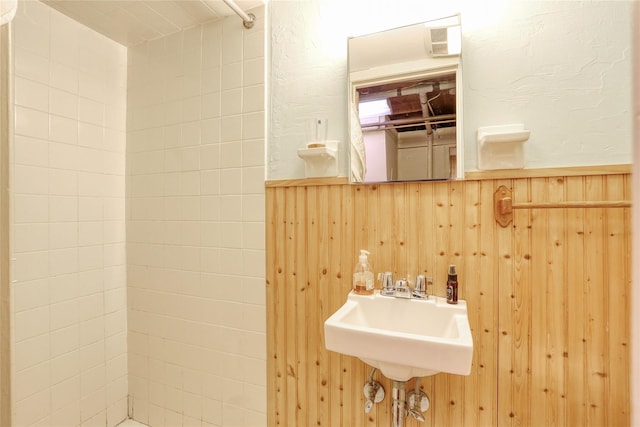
503	205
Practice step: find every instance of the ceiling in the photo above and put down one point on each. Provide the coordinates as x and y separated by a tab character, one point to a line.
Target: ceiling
131	22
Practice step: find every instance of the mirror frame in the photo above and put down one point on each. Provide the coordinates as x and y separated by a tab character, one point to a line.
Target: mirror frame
397	72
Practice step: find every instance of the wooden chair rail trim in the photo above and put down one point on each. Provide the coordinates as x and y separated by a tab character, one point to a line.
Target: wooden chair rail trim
475	175
549	172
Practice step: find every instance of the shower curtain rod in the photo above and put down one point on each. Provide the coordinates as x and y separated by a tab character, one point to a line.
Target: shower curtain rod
247	18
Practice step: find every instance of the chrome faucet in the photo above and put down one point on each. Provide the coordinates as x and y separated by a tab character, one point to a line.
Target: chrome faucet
401	288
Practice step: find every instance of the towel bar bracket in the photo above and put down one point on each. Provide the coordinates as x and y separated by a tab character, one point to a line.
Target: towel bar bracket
503	206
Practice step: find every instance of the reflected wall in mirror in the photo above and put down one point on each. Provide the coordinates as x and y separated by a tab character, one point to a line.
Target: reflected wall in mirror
405	103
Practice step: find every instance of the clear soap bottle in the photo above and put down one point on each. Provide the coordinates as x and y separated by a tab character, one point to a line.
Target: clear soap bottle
363	275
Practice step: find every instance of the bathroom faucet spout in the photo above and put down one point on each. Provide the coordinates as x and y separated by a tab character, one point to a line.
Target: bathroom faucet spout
402	289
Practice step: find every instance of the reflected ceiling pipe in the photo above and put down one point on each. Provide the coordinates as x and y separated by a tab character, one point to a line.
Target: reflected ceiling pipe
248	19
425	110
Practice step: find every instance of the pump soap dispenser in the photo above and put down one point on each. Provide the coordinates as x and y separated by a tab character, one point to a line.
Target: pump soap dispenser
363	275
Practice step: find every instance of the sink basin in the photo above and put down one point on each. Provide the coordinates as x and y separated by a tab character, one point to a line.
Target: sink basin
403	338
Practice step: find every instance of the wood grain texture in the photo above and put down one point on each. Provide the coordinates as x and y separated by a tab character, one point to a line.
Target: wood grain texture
547	296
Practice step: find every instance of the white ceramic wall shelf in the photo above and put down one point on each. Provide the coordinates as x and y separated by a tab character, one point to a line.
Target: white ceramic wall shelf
501	147
320	161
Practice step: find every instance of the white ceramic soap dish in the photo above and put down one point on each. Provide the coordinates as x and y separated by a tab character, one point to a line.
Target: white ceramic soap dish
321	160
501	147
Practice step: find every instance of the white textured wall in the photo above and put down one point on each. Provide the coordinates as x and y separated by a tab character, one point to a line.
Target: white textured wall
195	227
562	68
68	223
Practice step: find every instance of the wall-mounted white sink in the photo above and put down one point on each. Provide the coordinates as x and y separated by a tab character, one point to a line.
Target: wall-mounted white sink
404	338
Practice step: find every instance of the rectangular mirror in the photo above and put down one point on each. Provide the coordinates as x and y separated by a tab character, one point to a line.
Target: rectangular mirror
405	104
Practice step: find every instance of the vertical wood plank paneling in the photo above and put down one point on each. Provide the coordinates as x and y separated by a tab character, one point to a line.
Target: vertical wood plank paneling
520	299
624	312
479	392
575	279
469	234
457	222
270	257
336	297
413	241
352	391
276	288
509	355
383	229
441	236
455	230
326	284
596	296
372	227
426	230
399	226
314	329
427	234
290	284
440	382
364	239
544	295
556	303
300	287
539	307
618	284
486	342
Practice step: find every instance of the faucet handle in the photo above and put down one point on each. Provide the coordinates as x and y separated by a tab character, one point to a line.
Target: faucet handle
422	286
387	283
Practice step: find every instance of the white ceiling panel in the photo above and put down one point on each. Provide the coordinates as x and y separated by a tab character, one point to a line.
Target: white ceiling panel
141	11
131	22
175	12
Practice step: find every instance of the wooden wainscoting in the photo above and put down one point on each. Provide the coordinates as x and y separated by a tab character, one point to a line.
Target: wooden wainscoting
548	298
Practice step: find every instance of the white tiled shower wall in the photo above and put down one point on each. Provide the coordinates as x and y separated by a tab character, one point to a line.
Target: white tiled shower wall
68	226
195	227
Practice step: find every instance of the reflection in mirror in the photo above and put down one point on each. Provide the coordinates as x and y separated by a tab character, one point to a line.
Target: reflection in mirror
405	104
409	128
